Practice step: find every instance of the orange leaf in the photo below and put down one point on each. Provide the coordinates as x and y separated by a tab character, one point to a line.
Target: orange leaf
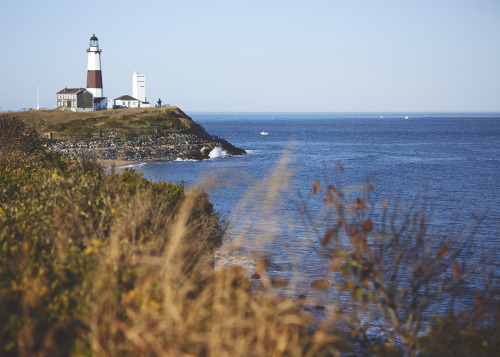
443	250
456	269
367	225
464	315
328	236
361	204
299	211
316	187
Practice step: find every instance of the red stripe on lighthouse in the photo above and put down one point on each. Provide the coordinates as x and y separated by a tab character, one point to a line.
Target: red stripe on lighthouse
94	79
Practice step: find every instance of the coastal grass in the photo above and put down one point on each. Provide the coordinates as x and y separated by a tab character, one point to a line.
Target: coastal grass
112	264
125	123
57	116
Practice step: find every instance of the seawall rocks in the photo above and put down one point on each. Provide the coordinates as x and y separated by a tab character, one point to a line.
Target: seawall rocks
183	146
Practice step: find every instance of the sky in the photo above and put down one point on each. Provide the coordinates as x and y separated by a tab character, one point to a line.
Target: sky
260	56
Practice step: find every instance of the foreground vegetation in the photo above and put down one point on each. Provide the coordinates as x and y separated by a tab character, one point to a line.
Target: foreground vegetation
111	264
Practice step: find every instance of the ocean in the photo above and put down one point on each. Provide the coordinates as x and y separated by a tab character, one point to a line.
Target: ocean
453	158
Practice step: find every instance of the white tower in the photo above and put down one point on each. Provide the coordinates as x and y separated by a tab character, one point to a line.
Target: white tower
139	86
94	76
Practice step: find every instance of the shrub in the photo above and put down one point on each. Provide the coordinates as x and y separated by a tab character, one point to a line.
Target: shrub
400	268
64	227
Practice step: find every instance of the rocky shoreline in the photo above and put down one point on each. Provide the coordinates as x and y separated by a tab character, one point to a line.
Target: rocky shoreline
135	135
184	146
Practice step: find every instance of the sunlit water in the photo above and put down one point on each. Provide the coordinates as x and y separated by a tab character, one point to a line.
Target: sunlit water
455	158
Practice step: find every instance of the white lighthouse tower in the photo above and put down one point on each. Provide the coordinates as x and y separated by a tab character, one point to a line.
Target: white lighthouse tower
94	76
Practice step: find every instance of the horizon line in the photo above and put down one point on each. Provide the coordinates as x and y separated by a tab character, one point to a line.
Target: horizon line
344	112
302	112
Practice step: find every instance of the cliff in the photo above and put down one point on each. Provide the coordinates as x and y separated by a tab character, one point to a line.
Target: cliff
143	134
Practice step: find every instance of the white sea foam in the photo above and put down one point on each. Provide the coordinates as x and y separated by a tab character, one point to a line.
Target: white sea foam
108	169
130	166
225	261
217	152
180	159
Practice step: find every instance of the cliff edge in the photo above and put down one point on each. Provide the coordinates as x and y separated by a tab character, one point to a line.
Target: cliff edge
140	135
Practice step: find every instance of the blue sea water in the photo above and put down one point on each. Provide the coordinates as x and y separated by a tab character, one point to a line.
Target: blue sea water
455	158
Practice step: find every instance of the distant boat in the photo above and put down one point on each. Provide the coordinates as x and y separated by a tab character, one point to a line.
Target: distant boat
406	117
264	133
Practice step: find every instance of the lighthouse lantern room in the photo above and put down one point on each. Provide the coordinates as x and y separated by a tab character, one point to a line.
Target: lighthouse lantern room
94	75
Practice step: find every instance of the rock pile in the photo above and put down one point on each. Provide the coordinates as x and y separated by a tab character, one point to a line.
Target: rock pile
176	145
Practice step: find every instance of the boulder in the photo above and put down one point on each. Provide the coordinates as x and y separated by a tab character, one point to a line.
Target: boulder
205	152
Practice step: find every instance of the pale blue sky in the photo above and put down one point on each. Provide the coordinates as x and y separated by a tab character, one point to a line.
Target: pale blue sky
273	55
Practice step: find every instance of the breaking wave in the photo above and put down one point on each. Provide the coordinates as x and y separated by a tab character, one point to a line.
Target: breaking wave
217	152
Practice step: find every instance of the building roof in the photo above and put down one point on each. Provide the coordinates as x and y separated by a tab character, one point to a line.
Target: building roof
126	97
93	38
70	90
99	99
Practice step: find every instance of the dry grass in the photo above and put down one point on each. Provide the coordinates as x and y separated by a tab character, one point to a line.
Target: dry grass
64	116
124	123
170	314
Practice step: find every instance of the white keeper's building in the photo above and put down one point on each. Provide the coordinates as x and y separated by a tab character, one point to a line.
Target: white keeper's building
126	101
138	98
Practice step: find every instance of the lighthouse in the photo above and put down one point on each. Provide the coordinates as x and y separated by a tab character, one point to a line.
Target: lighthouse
94	76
